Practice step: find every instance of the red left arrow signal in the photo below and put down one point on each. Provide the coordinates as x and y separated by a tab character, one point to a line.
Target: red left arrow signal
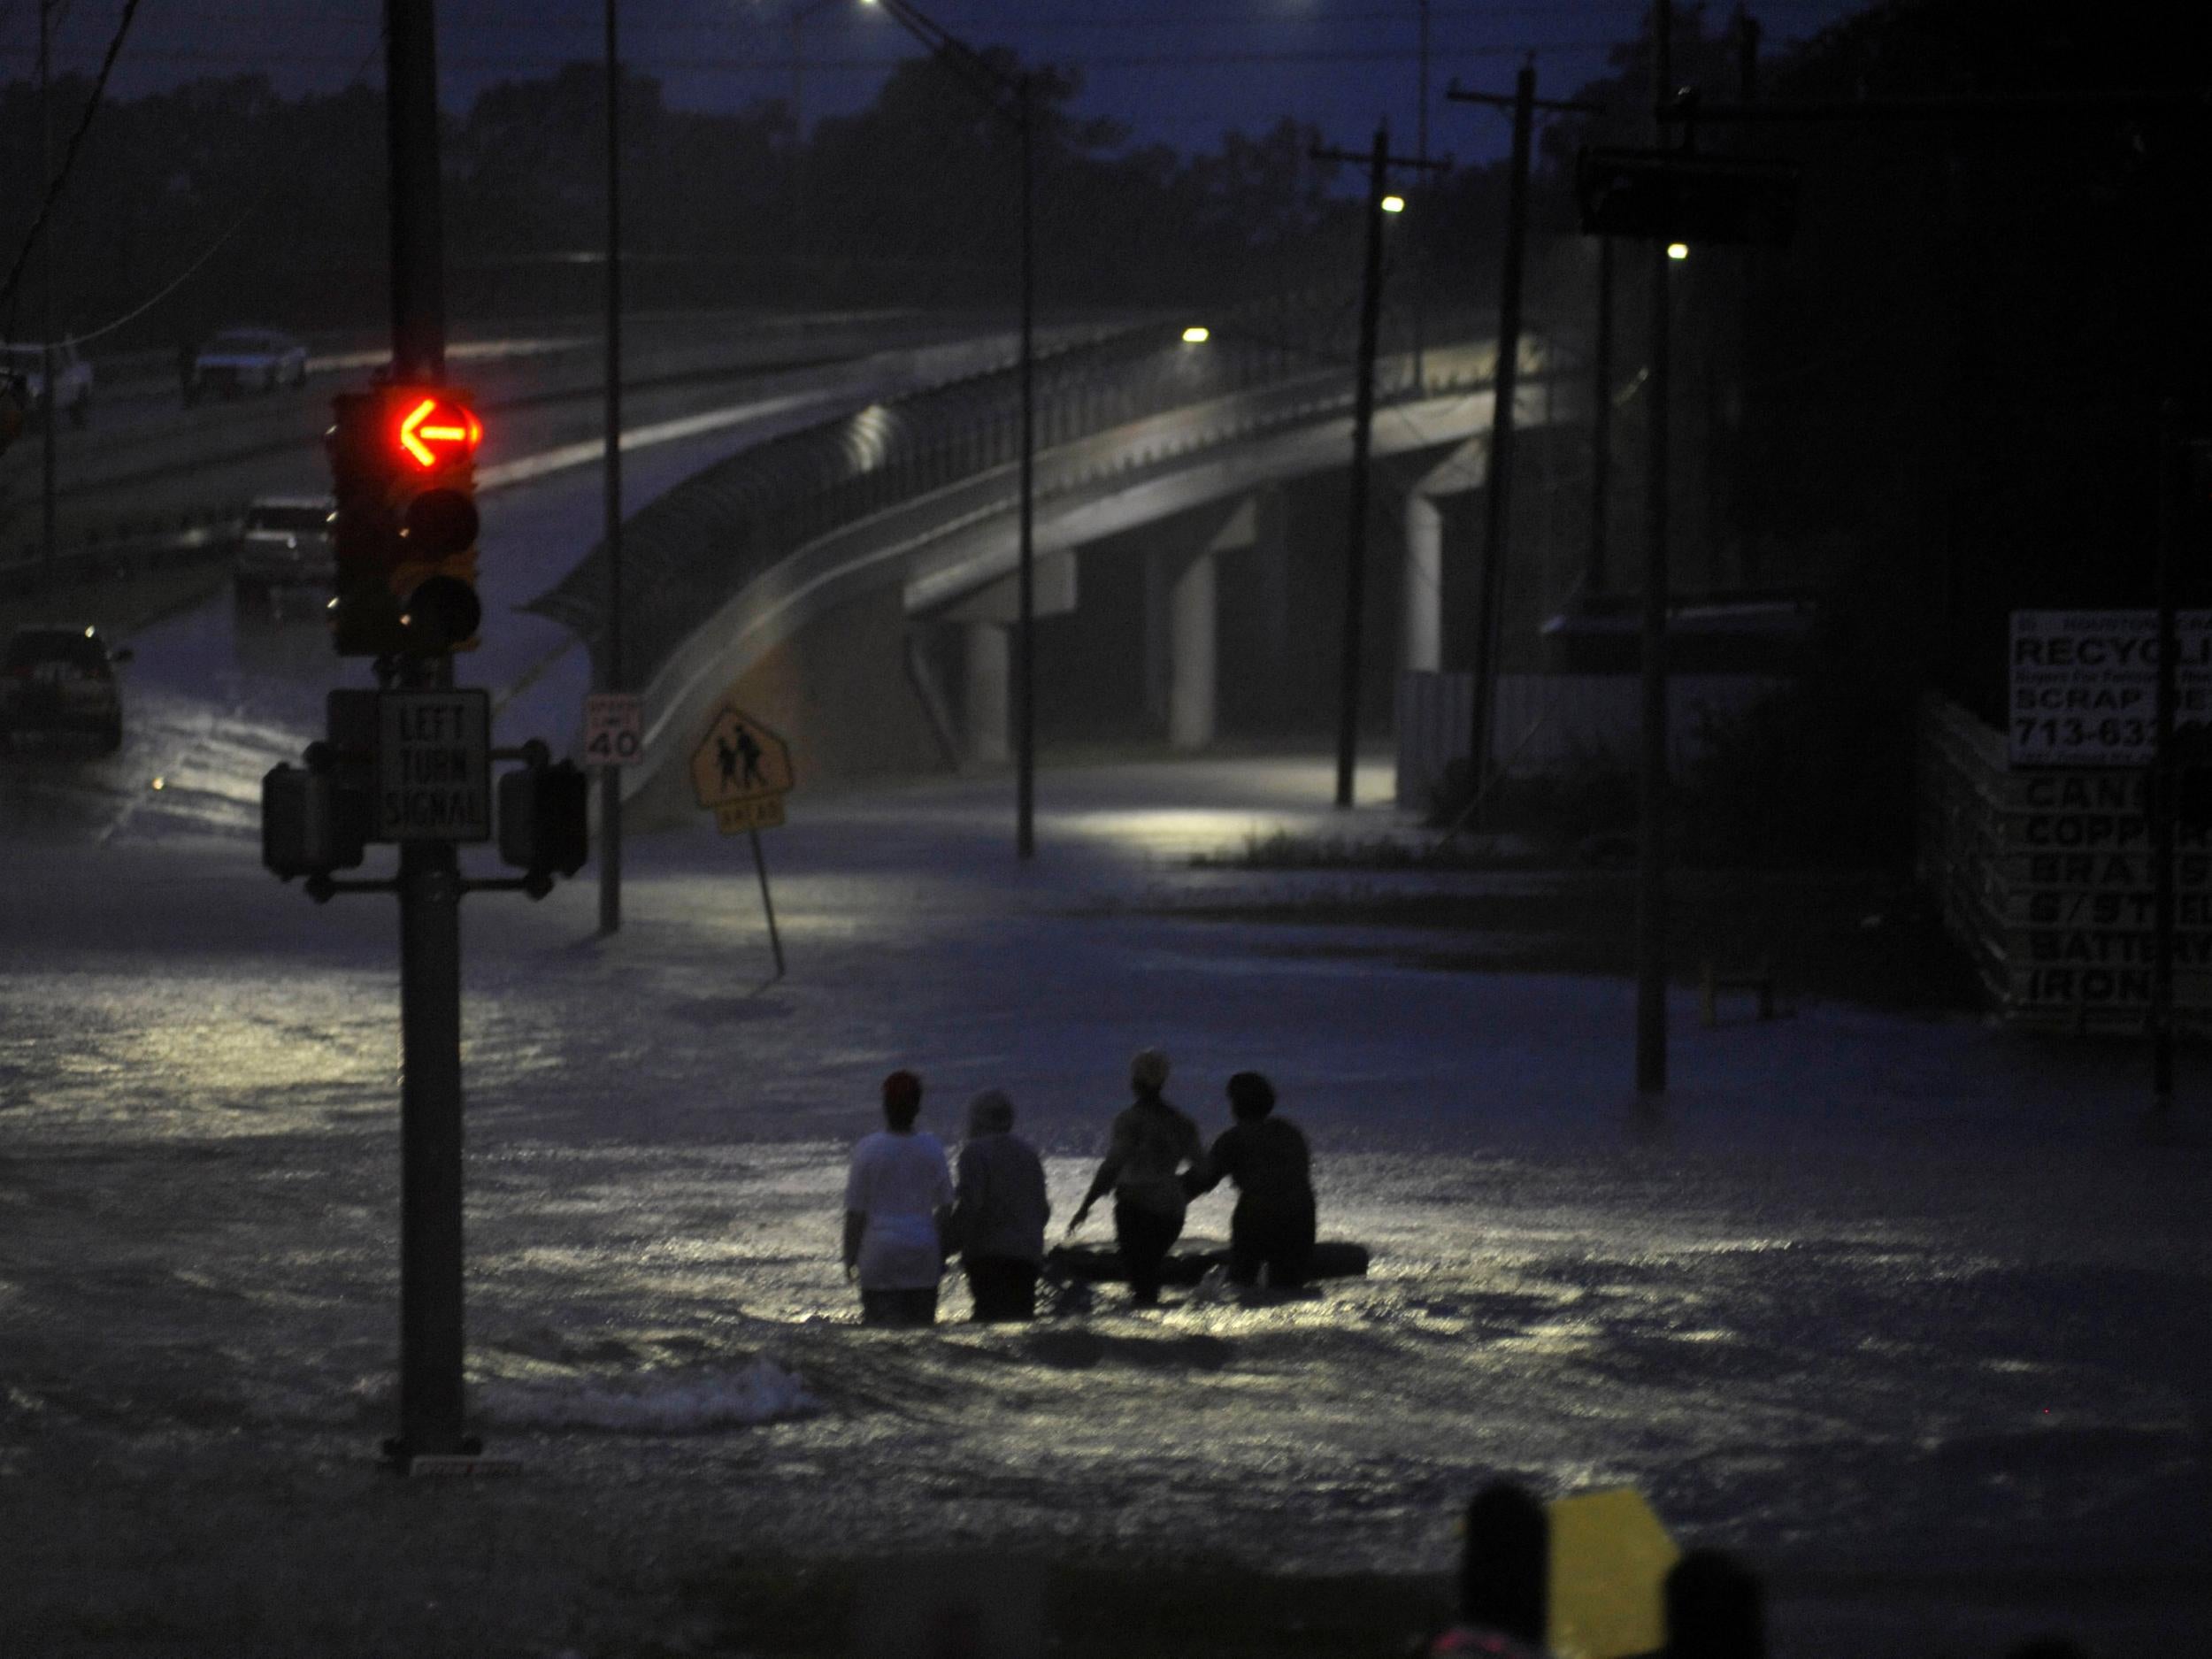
434	433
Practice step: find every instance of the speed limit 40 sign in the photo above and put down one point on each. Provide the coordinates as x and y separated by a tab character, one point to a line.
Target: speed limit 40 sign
614	729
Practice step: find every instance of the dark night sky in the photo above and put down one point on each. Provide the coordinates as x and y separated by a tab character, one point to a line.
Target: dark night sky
1177	73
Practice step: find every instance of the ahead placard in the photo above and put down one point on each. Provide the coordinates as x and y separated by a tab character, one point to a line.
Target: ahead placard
434	766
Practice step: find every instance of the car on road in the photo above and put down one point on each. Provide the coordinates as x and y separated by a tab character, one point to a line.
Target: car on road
24	367
284	543
240	360
58	680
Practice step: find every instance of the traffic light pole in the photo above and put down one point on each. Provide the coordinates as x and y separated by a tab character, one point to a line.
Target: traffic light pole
610	777
410	80
431	1345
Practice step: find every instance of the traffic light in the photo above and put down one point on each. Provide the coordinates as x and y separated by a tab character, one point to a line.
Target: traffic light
312	822
1670	196
403	531
544	820
435	500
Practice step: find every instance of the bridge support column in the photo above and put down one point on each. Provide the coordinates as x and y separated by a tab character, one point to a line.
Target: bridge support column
1421	624
988	702
1191	654
1421	630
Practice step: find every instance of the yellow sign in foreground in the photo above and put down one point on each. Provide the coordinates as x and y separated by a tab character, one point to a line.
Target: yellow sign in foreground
1609	1559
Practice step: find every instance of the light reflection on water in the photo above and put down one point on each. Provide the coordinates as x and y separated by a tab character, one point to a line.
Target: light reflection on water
654	1305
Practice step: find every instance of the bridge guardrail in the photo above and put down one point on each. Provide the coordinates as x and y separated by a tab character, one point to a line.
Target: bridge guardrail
121	557
691	551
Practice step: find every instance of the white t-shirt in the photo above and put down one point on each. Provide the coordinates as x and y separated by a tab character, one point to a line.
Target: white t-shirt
899	1182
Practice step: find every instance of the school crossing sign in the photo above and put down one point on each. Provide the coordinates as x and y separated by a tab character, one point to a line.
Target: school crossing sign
741	773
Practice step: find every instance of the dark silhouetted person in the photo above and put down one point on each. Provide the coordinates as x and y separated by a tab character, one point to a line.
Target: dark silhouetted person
750	752
1152	1144
999	1211
898	1202
1267	1159
1714	1609
725	758
1504	1578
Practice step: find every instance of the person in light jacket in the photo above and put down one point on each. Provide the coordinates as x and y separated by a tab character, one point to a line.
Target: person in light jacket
898	1201
999	1211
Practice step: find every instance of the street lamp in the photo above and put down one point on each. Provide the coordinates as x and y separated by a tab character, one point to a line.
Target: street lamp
1013	98
1197	334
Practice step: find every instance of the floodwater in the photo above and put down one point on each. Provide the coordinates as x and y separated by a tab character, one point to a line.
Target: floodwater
1876	1302
1909	1312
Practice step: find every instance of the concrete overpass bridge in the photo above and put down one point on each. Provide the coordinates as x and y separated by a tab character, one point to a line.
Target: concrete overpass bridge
853	584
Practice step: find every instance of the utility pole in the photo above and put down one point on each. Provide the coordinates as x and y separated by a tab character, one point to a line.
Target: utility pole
1505	381
611	666
1379	161
46	299
431	1337
1600	426
1420	273
1651	794
1497	513
1025	643
2161	792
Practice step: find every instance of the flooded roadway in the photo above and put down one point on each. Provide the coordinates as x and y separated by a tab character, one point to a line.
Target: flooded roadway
1901	1308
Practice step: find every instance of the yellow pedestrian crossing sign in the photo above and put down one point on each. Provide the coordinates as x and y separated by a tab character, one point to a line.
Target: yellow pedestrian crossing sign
741	773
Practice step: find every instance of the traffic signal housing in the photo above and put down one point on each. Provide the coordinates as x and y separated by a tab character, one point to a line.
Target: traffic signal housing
312	822
404	528
435	500
544	817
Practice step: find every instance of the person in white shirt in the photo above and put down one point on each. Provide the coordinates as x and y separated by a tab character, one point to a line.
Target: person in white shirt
898	1202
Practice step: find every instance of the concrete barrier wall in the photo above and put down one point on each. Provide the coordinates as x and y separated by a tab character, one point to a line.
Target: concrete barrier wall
1551	724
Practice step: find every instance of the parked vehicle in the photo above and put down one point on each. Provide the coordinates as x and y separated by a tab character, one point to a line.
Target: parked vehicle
240	360
58	680
285	542
25	366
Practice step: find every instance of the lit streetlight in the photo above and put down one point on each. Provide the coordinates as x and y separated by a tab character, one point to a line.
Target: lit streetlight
1392	205
1678	250
1197	334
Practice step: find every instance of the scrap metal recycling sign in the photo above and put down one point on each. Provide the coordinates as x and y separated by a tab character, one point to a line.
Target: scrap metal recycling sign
2084	684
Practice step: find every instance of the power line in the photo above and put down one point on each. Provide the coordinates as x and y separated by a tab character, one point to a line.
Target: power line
689	64
211	249
69	158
